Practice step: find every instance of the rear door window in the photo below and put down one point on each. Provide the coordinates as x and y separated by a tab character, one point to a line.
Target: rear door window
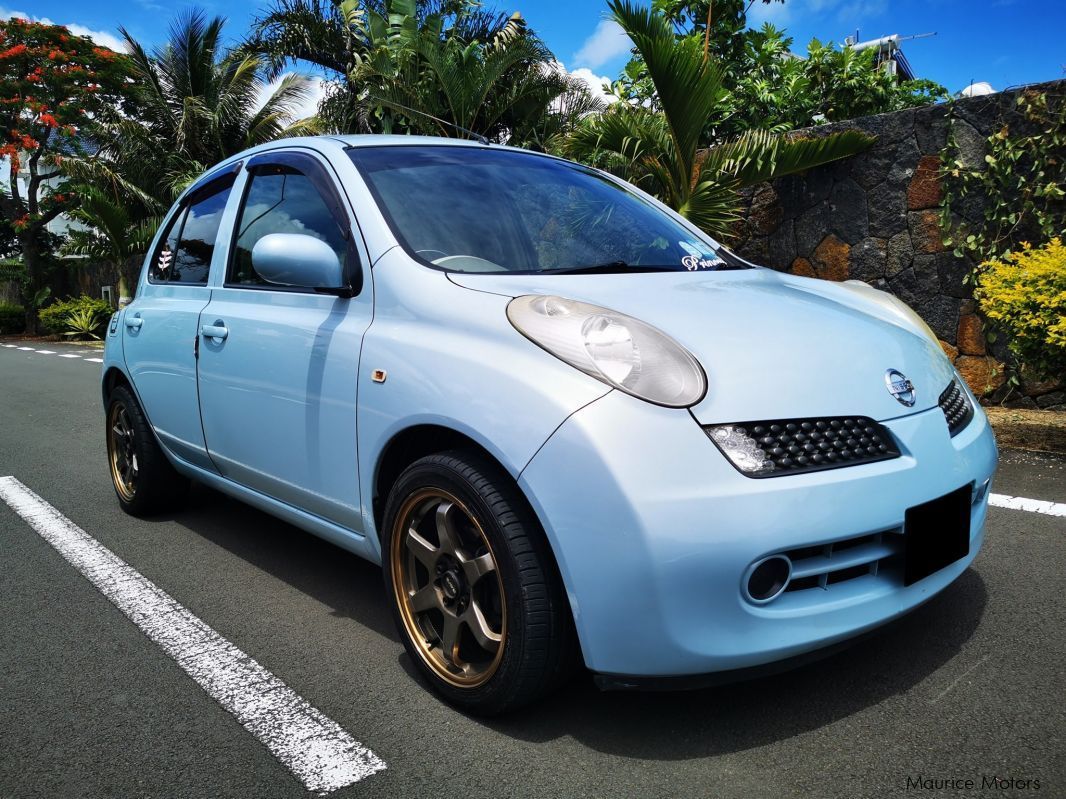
185	254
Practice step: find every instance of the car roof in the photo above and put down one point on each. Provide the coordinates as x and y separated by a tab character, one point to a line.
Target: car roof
327	143
383	139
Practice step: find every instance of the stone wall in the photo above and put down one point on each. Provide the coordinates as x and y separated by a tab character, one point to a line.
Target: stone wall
875	217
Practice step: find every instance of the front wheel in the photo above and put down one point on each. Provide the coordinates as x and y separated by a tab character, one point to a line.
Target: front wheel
474	590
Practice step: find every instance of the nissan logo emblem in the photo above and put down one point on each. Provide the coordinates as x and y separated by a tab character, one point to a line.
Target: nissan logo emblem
901	388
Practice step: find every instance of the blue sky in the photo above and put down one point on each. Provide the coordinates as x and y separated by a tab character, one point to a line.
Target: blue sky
1003	42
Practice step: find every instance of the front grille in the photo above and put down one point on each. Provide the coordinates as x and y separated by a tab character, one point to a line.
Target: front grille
827	565
793	446
956	407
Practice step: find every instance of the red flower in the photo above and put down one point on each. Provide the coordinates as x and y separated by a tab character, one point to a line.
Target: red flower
49	121
11	52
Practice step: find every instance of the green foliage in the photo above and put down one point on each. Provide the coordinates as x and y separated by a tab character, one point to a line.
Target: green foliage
659	147
12	318
83	324
197	102
194	101
89	312
11	270
112	233
1024	295
769	88
1018	186
451	61
845	83
503	88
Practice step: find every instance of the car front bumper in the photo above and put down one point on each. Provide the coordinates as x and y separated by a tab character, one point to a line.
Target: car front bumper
654	530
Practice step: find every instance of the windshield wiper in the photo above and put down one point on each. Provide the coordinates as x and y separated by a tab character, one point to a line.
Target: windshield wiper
608	266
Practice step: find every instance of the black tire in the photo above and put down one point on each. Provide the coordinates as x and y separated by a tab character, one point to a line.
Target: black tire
538	643
154	486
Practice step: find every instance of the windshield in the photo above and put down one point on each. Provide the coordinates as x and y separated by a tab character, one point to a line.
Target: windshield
467	209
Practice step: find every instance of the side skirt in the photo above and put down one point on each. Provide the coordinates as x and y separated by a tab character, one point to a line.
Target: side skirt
339	536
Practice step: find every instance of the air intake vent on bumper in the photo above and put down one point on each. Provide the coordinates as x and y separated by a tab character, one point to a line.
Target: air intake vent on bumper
792	446
956	407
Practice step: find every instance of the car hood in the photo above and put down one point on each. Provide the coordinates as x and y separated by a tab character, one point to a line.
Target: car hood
774	346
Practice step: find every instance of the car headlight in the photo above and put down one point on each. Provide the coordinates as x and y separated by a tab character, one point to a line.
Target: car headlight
621	351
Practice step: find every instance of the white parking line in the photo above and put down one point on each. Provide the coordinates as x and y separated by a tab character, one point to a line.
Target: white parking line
70	355
27	349
10	346
314	747
1031	505
45	352
95	360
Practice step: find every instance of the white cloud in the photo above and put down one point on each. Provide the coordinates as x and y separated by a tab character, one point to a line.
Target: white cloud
309	107
102	38
606	42
595	82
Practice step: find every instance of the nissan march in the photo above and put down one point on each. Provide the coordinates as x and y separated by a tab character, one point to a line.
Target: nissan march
569	425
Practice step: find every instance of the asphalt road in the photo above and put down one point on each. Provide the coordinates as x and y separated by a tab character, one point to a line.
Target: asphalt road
969	686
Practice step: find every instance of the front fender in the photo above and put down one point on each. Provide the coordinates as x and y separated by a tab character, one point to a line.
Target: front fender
452	359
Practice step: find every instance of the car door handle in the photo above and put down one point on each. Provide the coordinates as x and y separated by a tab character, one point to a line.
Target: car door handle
217	332
134	322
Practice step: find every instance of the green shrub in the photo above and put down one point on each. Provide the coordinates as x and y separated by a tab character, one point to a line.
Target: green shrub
12	318
55	319
1024	295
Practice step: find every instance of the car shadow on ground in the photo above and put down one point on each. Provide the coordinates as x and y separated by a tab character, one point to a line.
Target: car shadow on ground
679	725
656	725
349	585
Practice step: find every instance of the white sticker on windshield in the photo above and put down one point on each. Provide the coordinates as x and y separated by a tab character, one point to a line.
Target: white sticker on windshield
694	263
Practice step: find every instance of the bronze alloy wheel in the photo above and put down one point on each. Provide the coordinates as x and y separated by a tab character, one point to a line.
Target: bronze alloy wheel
121	451
448	589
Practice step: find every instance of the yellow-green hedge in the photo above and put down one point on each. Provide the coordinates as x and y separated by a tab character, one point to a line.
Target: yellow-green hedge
1023	294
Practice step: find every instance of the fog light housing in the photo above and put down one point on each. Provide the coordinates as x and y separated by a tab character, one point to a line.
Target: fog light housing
768	578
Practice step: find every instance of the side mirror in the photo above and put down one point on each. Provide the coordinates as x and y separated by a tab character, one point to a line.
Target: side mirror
296	259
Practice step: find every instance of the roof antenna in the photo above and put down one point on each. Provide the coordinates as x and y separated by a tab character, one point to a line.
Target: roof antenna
476	136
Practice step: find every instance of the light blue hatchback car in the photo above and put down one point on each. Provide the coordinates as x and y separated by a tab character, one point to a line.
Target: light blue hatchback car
569	425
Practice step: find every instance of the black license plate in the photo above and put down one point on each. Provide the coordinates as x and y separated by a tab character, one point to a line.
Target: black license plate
936	533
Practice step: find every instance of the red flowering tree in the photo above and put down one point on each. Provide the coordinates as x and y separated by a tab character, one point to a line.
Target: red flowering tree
54	87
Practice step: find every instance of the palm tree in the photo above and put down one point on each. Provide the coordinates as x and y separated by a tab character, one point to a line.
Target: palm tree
395	65
116	232
661	149
434	79
201	102
194	103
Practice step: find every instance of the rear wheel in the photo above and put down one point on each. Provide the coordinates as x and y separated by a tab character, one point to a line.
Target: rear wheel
143	478
474	590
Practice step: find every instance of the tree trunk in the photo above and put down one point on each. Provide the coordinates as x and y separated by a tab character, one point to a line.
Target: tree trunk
32	259
131	273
